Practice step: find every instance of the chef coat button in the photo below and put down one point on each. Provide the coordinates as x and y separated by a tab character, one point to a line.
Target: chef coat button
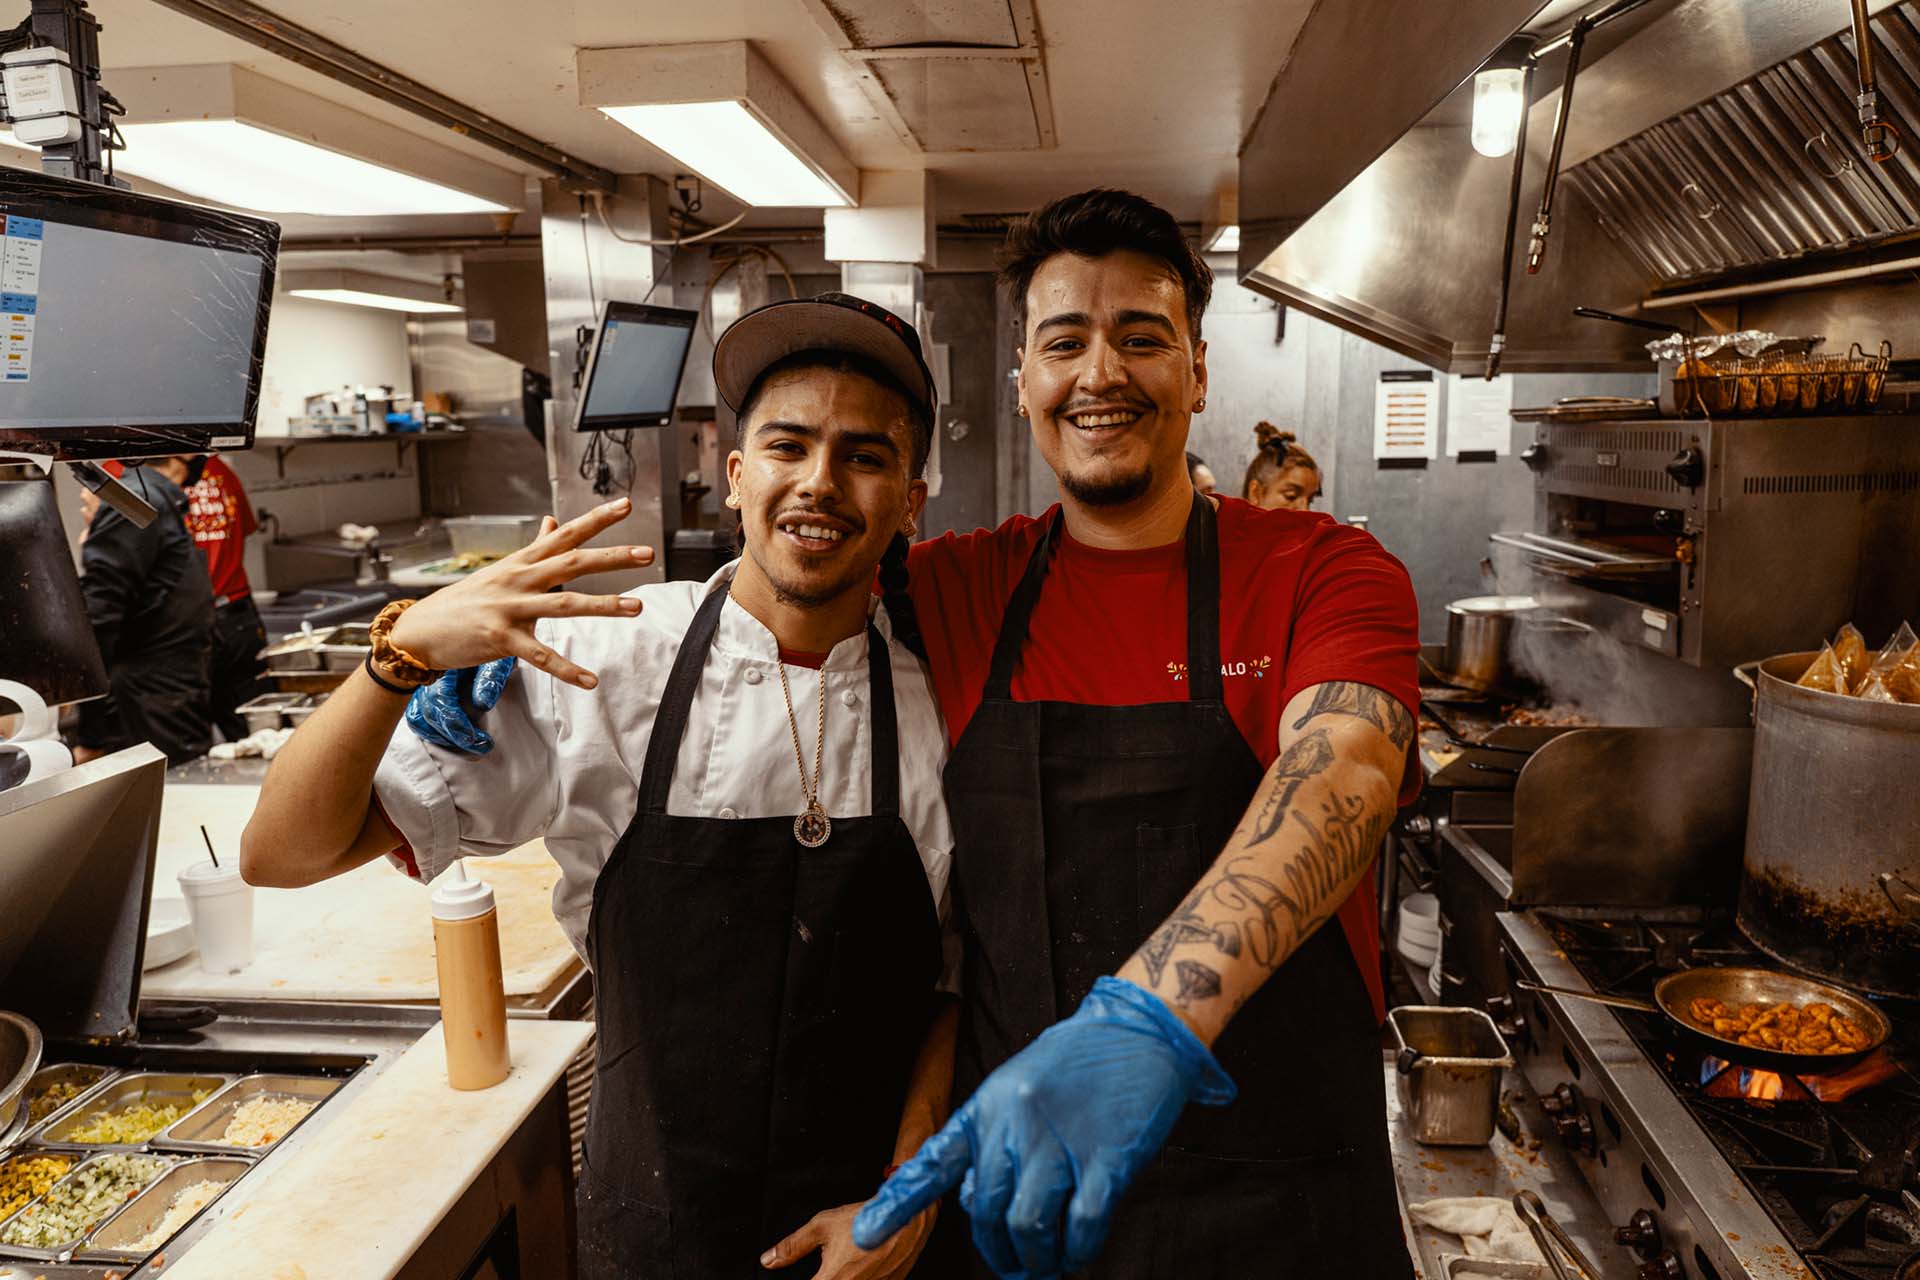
851	698
752	675
729	813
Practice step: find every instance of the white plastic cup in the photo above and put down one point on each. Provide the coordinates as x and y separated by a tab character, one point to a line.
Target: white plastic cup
221	905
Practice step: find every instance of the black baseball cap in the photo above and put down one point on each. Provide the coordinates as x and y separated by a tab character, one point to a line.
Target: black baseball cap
825	322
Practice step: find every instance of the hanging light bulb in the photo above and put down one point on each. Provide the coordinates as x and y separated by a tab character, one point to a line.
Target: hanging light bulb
1498	100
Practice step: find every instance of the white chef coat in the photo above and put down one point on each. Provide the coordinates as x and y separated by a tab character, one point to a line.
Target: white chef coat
566	761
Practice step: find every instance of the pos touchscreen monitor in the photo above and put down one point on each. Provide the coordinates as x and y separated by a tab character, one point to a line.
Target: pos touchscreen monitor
130	326
633	374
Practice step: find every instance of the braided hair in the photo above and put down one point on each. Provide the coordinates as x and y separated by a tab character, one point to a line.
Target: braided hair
1278	453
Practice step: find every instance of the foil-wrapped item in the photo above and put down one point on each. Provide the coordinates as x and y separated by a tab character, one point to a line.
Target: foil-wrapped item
1745	344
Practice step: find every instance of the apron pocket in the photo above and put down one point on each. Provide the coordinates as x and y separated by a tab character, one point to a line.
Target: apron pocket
621	1238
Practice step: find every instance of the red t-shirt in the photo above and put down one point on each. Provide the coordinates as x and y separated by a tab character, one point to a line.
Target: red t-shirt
219	517
1303	601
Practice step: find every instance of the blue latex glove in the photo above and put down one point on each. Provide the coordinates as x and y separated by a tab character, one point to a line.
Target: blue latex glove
442	713
1057	1134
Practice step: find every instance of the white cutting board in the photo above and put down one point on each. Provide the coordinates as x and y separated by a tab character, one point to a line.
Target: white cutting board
366	935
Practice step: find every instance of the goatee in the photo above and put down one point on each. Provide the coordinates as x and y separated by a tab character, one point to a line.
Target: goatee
1109	491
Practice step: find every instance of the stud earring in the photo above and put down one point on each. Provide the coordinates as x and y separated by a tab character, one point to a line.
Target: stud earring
1200	404
1023	411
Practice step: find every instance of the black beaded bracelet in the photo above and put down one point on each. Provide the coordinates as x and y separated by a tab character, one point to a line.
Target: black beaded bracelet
404	691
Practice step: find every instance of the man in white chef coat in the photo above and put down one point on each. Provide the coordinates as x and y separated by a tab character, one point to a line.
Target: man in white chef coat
740	780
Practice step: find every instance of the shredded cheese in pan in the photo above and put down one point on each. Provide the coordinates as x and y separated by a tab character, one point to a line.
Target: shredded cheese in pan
188	1201
262	1121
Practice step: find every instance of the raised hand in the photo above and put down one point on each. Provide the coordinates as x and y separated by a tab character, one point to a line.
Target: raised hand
491	614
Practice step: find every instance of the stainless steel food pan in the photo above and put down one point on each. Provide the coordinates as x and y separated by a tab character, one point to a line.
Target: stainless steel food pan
161	1163
202	1130
153	1087
269	710
88	1076
1450	1063
117	1240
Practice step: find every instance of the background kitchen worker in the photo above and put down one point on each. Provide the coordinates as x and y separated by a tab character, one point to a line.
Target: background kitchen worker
1282	474
739	779
1179	735
151	609
221	519
1201	474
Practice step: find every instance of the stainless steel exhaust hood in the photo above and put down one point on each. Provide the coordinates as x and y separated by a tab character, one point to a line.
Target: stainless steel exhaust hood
1716	141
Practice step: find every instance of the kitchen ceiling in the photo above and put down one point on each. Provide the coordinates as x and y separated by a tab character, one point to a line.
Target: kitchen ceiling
1129	98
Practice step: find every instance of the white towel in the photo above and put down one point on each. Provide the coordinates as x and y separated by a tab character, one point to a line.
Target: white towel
1487	1226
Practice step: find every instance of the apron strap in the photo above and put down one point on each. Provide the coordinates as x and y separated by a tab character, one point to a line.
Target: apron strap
676	700
1203	608
1204	683
885	775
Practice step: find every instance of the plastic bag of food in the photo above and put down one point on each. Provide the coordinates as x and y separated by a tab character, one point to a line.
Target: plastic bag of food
1893	652
1850	648
1894	677
1825	674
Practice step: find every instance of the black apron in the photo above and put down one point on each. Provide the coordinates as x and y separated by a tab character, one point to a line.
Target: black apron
760	1006
1078	829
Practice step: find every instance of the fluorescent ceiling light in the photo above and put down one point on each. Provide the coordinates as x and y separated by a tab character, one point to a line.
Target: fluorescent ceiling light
730	146
720	110
251	168
228	135
1225	239
365	289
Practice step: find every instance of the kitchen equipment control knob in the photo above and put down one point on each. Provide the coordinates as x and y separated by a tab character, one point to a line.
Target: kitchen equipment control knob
1535	456
1667	520
1689	467
1641	1234
1506	1016
1570	1119
1664	1265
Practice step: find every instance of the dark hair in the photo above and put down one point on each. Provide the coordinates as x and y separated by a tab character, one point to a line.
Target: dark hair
1094	224
919	413
893	562
1195	462
1278	453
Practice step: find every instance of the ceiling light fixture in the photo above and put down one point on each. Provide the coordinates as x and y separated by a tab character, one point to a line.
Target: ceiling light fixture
1499	99
365	289
721	111
224	134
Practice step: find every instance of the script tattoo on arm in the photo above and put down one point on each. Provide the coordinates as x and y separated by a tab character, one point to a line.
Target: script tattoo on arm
1364	702
1303	844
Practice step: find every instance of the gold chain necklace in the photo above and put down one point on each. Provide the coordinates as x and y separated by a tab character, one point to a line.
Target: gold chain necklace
813	826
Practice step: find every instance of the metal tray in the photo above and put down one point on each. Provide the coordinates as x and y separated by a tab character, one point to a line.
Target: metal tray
201	1130
116	1239
128	1089
28	1251
92	1076
269	710
306	650
72	1159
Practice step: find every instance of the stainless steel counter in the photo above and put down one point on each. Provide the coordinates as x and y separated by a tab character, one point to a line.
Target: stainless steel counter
1502	1168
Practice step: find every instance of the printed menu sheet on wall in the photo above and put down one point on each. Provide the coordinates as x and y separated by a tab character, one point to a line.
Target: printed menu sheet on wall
1406	414
1479	414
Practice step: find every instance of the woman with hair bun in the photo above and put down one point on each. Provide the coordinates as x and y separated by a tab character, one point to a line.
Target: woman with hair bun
1282	474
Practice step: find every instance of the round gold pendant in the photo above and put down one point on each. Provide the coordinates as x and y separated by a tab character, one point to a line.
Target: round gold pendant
812	827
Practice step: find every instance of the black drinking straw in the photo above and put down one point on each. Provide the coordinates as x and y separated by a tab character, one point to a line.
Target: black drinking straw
209	840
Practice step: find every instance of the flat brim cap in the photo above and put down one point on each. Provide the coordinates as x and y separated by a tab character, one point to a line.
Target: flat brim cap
828	322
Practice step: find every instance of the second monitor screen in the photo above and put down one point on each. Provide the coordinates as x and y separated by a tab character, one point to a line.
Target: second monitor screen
636	367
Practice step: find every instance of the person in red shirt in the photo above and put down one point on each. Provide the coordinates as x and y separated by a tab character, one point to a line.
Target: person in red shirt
221	519
1181	727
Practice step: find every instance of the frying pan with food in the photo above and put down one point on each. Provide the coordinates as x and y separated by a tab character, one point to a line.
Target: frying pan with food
1735	988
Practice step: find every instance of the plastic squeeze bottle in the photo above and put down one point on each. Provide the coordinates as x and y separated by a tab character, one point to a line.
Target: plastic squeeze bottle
473	1001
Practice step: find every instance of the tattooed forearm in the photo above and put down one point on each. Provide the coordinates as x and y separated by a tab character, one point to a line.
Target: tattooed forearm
1197	982
1364	702
1306	758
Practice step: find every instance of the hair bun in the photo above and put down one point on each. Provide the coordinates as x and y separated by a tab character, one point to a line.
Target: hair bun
1272	437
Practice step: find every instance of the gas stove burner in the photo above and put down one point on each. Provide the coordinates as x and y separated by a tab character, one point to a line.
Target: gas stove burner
1831	1158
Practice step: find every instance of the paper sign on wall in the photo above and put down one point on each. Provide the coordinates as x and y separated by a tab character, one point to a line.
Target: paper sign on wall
1479	414
1406	415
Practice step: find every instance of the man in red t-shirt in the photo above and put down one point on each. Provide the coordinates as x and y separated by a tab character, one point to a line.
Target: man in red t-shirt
221	519
1181	728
